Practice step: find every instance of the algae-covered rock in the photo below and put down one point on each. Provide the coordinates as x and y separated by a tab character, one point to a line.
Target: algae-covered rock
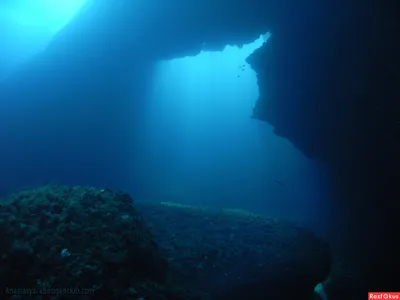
96	244
233	254
80	239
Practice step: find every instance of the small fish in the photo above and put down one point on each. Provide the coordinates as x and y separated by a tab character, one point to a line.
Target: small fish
282	186
280	183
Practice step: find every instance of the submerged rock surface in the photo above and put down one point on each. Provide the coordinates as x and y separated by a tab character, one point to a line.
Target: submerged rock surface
233	254
93	243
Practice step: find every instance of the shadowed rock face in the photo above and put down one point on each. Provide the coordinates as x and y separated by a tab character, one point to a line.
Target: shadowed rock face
329	82
330	85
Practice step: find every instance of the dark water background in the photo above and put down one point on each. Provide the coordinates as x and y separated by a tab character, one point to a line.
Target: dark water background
180	130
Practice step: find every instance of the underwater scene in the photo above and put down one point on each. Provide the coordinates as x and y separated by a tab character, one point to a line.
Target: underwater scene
199	150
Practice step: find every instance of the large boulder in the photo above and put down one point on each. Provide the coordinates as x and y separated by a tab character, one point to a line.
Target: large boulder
60	241
232	254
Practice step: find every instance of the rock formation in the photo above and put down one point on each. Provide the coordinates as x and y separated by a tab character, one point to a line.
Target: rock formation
328	82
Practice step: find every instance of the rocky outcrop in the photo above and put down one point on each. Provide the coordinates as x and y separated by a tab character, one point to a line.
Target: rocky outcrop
76	241
329	83
96	243
233	254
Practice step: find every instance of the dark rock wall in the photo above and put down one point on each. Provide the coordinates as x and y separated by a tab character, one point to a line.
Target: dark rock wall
329	79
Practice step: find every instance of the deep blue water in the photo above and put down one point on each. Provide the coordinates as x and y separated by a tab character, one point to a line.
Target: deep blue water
191	141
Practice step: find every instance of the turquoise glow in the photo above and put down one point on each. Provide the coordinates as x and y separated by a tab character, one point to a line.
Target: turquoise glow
27	26
51	15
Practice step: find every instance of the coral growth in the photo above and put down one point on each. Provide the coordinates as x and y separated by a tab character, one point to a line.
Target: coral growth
93	243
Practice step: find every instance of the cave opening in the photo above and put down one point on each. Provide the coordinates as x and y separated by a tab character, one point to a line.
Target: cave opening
211	151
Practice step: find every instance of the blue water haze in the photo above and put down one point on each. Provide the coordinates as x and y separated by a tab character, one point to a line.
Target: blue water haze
203	147
187	137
